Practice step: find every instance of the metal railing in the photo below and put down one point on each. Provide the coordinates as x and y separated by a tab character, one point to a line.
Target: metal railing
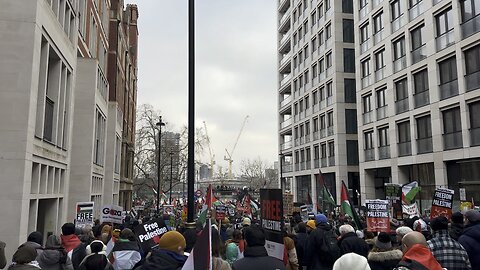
416	11
445	40
384	152
452	140
400	63
382	112
421	99
369	154
379	74
367	117
398	23
401	105
419	54
471	26
474	136
449	89
404	149
472	81
424	145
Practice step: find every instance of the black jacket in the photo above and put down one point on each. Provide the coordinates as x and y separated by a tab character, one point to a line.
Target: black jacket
300	242
256	258
456	229
313	253
385	260
470	240
350	242
164	260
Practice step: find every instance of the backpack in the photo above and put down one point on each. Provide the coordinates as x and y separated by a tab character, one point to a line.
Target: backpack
78	254
330	251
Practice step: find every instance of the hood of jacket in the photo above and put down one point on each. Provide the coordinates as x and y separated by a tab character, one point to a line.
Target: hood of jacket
422	255
324	226
255	251
164	260
472	231
50	257
383	256
70	242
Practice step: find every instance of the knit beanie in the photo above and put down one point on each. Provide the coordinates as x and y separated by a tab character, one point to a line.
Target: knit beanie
403	230
68	229
439	223
457	217
351	261
311	224
36	237
383	241
172	241
473	216
24	254
321	218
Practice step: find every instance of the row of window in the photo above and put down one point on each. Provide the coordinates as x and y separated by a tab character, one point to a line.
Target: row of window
64	11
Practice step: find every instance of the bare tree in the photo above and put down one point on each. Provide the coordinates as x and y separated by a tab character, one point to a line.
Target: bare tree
255	172
146	151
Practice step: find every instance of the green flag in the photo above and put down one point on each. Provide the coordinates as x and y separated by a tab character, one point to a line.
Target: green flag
327	196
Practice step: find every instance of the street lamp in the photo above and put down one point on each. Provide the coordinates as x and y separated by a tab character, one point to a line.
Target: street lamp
159	125
171	175
281	172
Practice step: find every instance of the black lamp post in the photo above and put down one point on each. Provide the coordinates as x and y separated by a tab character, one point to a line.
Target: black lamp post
159	125
171	176
191	112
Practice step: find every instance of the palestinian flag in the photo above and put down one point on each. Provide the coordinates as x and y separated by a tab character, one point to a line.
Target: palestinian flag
348	209
327	196
207	205
409	191
201	255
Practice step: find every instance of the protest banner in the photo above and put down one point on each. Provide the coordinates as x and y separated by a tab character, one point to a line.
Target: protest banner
410	209
393	193
84	215
442	203
378	219
288	204
149	233
271	220
220	212
111	214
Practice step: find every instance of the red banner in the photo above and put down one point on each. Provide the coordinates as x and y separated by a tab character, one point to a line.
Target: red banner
378	219
442	203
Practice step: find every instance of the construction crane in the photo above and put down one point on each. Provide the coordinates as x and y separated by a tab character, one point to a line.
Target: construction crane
228	155
212	155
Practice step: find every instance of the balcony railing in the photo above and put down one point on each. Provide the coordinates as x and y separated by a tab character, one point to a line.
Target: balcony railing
398	22
384	152
416	11
382	112
445	40
404	149
471	27
452	140
472	81
401	105
285	58
377	37
286	145
366	81
369	154
323	162
363	12
367	117
286	123
379	74
421	99
449	89
285	16
330	131
329	100
400	63
285	37
285	79
365	46
424	145
475	136
419	54
316	163
286	101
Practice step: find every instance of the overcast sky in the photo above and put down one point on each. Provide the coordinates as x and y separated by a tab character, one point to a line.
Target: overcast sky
235	70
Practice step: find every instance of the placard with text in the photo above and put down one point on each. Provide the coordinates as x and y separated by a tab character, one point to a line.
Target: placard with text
378	219
442	203
271	220
84	214
149	233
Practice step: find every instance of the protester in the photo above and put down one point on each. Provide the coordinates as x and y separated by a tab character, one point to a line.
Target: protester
24	259
383	256
3	260
35	240
300	242
96	258
456	227
169	254
310	226
369	239
470	238
217	250
69	239
234	247
292	259
416	255
349	242
448	252
351	261
420	225
322	248
401	232
246	222
54	256
126	251
190	236
256	256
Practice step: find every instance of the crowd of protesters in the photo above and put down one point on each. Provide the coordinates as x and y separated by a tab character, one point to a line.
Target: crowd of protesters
319	243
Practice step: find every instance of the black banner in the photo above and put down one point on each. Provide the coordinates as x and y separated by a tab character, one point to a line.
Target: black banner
148	234
271	220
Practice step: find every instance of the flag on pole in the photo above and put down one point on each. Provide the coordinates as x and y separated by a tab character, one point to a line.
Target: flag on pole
327	196
347	207
309	198
409	191
201	255
207	205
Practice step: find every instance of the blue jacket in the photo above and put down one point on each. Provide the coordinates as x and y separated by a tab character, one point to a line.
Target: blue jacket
470	240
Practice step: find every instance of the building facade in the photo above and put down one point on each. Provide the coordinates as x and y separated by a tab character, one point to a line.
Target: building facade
418	66
316	90
38	49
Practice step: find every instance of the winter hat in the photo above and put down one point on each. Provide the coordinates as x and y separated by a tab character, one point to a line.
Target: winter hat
36	237
321	218
172	241
473	216
127	234
401	231
254	236
420	225
96	246
311	224
53	242
68	229
360	234
439	223
457	217
383	241
351	261
24	254
246	222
